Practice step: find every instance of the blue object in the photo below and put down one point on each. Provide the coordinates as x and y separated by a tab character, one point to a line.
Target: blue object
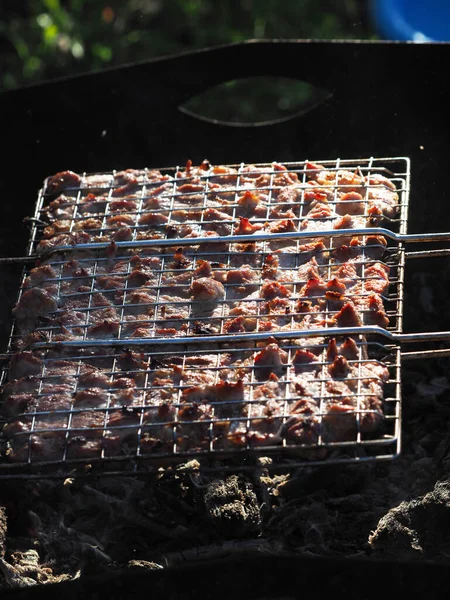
415	20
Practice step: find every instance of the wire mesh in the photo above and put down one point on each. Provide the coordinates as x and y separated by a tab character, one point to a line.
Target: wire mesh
297	399
221	288
261	286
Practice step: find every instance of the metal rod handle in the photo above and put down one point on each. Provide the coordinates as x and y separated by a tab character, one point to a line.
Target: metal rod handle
259	336
257	237
426	336
428	253
424	354
260	237
18	259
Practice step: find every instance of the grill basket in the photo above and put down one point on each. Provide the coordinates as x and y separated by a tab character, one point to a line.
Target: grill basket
110	226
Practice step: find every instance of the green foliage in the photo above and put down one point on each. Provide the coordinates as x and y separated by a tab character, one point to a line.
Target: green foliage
44	39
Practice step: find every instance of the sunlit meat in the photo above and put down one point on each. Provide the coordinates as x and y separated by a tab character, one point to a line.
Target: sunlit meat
304	360
188	193
203	269
87	225
291	194
193	427
139	302
336	285
266	419
277	305
62	181
39	276
137	278
207	289
345	222
377	278
315	193
347	274
23	364
272	359
376	314
350	203
92	377
215	220
104	330
348	316
60	208
339	367
56	227
279	211
226	397
309	270
222	174
318	211
303	307
382	193
316	249
92	204
375	246
302	425
236	325
242	281
91	398
313	288
274	289
35	302
153	219
246	228
126	184
270	267
282	226
349	349
249	205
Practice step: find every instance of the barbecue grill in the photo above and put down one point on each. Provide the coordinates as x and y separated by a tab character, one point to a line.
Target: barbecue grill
334	129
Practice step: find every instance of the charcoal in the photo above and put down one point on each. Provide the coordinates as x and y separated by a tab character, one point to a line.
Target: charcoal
417	528
143	565
232	506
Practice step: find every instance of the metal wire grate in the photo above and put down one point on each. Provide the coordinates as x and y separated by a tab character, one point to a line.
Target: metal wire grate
171	403
126	259
149	291
177	203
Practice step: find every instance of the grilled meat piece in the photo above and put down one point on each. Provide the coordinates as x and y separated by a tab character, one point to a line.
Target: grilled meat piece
207	289
272	359
348	316
245	227
35	302
23	364
62	181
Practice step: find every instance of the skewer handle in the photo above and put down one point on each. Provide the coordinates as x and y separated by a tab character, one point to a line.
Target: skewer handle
24	260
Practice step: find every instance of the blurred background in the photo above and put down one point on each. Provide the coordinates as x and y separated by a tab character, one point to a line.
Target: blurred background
43	39
47	39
